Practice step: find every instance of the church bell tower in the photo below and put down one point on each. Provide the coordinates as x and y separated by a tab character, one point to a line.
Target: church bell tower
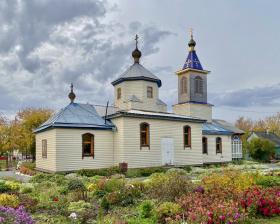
192	87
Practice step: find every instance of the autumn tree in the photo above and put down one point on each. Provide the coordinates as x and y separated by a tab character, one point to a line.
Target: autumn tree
25	122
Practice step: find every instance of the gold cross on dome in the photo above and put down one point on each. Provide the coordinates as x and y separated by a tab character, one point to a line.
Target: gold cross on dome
136	40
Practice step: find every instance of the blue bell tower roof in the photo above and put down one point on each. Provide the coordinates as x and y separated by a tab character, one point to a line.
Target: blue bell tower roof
192	60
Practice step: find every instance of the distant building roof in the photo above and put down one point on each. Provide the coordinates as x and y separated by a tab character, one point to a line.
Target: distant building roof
268	136
155	115
76	115
228	126
137	72
214	129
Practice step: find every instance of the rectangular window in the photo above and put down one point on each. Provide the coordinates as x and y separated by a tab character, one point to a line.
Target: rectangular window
119	93
150	92
44	148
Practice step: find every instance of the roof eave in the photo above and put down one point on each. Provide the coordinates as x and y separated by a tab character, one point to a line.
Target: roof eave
192	69
120	80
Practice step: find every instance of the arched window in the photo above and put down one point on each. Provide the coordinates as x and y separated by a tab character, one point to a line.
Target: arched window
88	145
198	84
187	136
144	135
149	92
204	145
218	145
183	85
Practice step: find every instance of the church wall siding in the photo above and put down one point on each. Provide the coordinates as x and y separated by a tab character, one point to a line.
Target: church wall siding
69	149
48	163
212	157
137	157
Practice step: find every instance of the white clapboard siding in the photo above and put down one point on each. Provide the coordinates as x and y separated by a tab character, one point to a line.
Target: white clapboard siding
137	157
203	111
139	89
48	163
69	149
212	157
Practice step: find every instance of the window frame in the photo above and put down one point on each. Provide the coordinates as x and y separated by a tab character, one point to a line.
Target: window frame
188	134
204	144
147	135
92	148
219	145
150	92
119	93
198	85
44	148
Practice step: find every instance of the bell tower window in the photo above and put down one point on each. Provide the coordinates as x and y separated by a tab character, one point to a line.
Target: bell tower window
183	85
198	85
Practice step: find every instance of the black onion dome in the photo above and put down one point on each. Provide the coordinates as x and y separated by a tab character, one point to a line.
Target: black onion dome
136	54
192	43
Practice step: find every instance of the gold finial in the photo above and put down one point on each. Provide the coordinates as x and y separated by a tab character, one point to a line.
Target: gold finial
71	95
136	41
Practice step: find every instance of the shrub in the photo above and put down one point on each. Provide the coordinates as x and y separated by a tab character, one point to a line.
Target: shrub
76	185
79	206
232	180
168	186
146	209
261	149
215	206
99	172
27	202
265	201
27	171
268	181
42	177
13	185
167	210
29	165
4	187
19	215
26	188
9	200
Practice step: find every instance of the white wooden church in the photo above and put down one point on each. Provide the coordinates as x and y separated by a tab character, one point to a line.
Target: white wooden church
137	129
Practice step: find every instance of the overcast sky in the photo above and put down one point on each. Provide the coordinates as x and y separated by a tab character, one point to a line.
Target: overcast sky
47	44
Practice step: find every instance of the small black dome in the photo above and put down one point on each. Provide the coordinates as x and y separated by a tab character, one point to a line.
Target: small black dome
136	54
192	43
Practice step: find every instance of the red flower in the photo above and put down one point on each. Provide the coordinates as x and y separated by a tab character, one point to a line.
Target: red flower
55	199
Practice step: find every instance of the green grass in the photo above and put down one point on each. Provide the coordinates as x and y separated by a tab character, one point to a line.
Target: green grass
275	220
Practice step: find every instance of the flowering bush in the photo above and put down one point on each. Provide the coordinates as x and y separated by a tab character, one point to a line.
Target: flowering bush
168	186
211	207
167	210
233	180
10	215
265	201
13	185
9	200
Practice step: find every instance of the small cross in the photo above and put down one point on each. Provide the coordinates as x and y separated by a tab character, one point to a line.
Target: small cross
136	40
71	87
191	32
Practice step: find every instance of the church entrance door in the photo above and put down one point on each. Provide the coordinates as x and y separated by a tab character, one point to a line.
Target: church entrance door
167	151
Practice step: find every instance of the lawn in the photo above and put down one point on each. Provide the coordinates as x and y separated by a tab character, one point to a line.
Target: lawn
275	220
216	194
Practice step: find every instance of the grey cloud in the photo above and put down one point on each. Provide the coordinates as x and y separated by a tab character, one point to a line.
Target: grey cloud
258	96
38	61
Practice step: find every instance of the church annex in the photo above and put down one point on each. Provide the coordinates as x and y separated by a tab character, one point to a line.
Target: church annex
137	129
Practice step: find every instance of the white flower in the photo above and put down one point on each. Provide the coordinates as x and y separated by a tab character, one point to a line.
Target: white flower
73	215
